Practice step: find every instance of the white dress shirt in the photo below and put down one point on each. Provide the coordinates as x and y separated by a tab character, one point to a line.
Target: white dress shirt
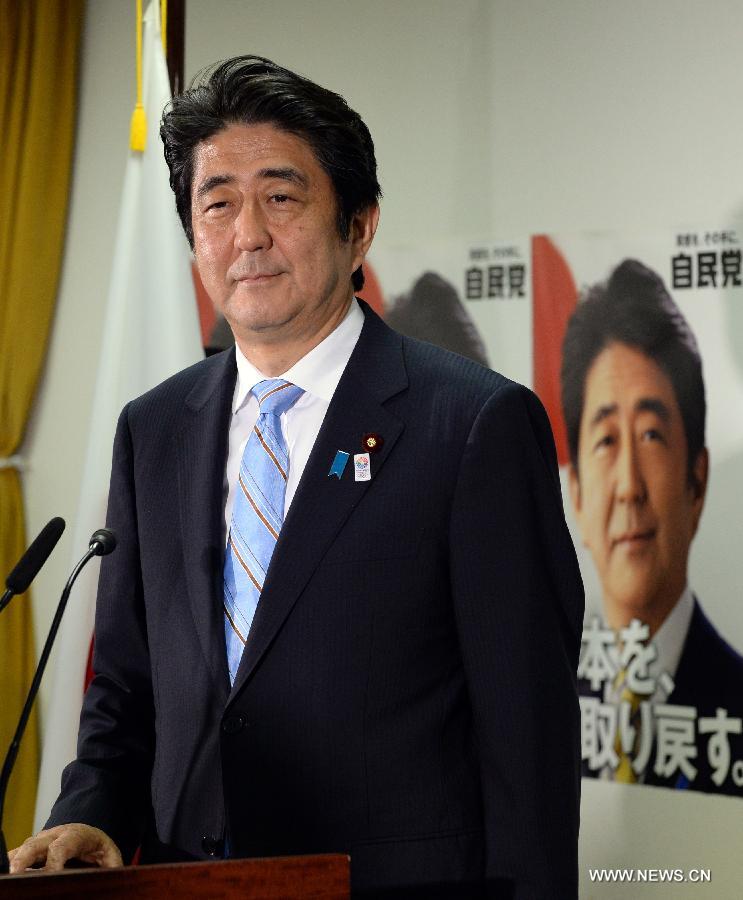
668	641
318	373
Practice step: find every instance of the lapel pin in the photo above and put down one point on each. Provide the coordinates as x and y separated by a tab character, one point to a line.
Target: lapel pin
371	442
361	467
339	464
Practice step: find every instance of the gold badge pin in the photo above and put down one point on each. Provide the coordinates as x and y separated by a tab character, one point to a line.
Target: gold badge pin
371	442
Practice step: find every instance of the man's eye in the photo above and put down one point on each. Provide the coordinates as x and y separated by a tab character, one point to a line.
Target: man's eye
280	198
603	442
218	204
652	434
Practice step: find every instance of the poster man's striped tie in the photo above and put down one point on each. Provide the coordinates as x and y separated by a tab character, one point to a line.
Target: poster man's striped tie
257	514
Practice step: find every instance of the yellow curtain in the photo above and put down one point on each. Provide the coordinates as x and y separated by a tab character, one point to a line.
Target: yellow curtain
39	42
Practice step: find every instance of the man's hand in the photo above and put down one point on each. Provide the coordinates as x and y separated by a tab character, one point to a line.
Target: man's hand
52	848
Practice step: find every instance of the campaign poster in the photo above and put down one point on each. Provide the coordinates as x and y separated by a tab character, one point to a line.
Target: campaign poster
473	297
635	346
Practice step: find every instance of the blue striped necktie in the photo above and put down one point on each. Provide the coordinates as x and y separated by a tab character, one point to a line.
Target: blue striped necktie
257	514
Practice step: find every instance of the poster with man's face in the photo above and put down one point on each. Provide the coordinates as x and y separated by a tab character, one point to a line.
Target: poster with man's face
635	346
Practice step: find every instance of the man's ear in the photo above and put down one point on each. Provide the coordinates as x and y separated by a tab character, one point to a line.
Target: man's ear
363	228
700	476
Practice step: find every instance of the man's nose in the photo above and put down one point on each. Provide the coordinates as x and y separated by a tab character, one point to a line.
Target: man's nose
251	227
631	486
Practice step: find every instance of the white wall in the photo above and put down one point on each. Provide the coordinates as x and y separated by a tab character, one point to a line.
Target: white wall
616	114
500	118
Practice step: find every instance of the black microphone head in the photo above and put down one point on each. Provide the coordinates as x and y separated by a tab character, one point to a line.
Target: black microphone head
34	558
103	542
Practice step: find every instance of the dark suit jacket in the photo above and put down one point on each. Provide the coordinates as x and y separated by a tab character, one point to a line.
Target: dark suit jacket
407	692
709	676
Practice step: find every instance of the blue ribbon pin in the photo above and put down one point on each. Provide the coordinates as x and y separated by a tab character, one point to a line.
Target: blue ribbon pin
339	464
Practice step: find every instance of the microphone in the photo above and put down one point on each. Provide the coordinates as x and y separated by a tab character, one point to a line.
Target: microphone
32	560
101	543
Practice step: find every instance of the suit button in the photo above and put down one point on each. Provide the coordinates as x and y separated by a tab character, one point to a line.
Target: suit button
233	724
212	846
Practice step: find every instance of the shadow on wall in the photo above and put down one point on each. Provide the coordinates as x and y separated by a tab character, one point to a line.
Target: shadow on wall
432	311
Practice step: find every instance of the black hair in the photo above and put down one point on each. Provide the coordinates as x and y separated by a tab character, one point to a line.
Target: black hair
253	90
634	308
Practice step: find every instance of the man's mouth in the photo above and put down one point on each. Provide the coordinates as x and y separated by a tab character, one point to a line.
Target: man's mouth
636	537
256	277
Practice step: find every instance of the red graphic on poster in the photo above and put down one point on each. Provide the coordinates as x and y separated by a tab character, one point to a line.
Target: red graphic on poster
554	298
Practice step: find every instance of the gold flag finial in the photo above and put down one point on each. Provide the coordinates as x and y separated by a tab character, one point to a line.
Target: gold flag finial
138	130
164	26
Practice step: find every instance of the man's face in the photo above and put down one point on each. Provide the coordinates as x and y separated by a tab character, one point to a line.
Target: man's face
636	510
266	240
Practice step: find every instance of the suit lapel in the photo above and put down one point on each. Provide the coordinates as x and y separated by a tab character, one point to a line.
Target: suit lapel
202	453
322	504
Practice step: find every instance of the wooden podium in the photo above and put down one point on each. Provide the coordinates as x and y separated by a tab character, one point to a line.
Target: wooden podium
325	877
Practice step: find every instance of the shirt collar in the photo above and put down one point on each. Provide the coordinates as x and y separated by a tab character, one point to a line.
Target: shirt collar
317	372
669	639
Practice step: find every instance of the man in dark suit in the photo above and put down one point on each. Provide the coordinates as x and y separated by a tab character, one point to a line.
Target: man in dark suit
634	404
404	688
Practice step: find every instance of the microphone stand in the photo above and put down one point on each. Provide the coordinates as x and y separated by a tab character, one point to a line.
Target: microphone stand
6	598
94	550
